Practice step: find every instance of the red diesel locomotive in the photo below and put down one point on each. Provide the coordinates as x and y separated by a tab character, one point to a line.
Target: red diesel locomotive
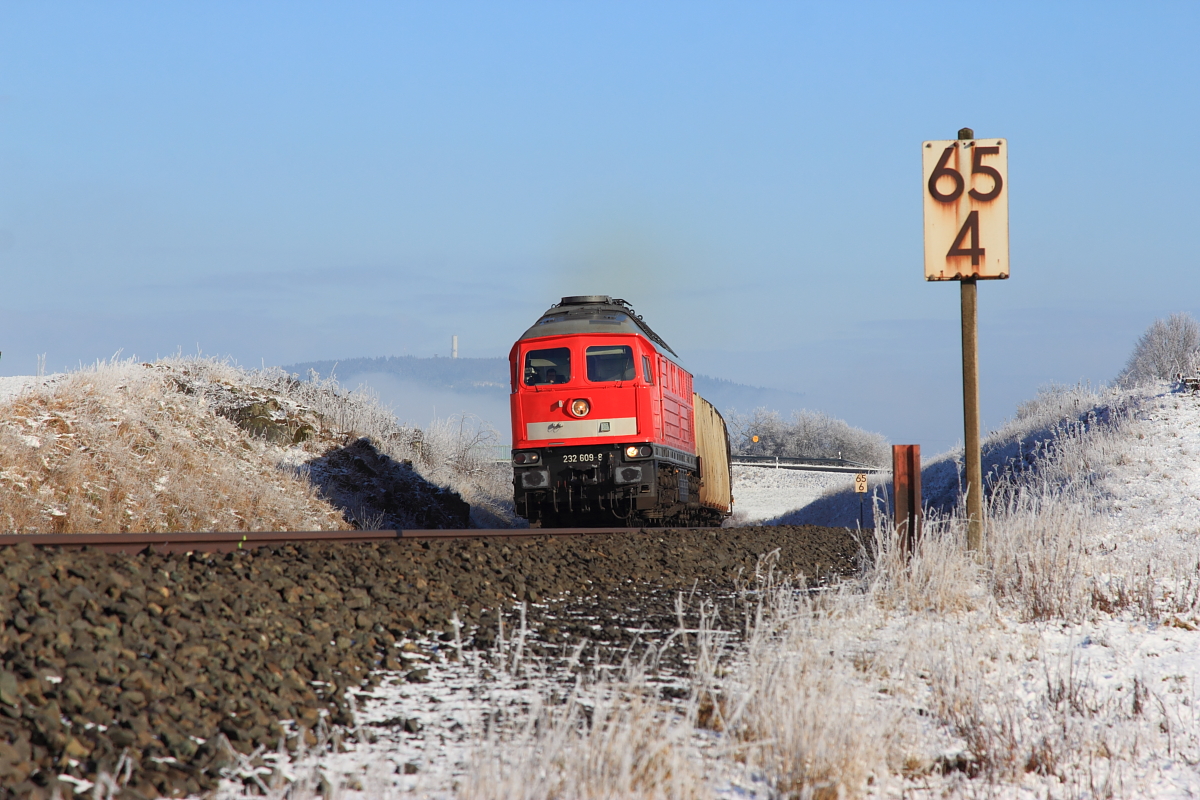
606	427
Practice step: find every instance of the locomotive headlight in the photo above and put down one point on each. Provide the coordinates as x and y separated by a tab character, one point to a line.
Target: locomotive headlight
631	451
580	408
525	458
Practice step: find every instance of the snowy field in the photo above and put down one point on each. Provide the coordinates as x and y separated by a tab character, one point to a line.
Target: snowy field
1065	665
763	493
1153	489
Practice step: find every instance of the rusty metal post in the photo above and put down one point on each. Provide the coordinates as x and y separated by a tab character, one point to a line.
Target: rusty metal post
906	484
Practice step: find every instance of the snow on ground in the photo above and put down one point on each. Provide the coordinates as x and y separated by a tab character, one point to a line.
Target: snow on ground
11	387
1115	656
1154	490
763	493
416	737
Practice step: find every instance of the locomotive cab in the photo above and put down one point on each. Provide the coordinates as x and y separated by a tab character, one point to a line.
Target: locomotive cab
604	424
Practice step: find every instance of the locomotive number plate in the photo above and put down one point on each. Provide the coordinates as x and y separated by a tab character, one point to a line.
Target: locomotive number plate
583	458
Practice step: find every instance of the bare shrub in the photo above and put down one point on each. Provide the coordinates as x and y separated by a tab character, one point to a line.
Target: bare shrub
1168	347
807	434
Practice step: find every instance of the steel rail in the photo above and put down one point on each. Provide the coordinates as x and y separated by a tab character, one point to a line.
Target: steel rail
807	467
229	542
808	464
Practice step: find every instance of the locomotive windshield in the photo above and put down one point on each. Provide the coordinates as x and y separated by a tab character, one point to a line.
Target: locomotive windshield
552	365
610	363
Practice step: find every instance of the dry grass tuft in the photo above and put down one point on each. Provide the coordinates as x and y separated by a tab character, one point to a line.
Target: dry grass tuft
808	722
622	746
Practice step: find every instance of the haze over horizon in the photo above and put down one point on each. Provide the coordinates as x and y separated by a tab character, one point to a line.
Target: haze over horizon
282	183
421	390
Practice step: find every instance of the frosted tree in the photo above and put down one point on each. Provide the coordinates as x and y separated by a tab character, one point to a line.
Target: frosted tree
808	434
1168	347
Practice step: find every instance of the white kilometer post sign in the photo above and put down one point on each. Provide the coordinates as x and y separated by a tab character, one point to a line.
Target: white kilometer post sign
966	209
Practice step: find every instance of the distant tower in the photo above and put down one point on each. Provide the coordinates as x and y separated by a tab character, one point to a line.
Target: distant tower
454	347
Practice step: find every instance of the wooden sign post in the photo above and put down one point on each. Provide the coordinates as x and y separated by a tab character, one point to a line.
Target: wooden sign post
966	240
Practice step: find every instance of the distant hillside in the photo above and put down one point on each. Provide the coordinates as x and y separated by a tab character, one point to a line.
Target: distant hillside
728	396
459	374
422	389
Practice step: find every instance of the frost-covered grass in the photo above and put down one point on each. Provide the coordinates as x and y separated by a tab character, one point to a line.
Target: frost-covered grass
1011	672
116	447
1061	661
1005	672
126	446
1050	419
457	452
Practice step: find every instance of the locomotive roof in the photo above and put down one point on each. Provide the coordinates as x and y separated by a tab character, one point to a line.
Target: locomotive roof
593	314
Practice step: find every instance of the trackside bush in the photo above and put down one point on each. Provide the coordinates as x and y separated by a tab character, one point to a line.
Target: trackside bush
1168	347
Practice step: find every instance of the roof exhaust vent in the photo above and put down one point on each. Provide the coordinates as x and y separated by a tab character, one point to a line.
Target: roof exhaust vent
583	299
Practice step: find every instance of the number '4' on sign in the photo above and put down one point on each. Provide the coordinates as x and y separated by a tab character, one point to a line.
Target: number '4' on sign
965	187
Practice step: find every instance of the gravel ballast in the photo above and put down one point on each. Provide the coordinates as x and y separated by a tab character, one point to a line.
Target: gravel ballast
156	657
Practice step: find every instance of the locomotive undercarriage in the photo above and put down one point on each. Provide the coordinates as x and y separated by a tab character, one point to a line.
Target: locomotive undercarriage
567	492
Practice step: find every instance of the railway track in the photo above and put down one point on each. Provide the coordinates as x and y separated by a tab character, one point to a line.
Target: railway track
806	464
223	542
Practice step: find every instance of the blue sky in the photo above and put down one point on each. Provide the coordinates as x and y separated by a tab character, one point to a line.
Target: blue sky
284	182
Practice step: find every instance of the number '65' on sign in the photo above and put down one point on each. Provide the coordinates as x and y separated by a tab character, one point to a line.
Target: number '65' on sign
965	183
